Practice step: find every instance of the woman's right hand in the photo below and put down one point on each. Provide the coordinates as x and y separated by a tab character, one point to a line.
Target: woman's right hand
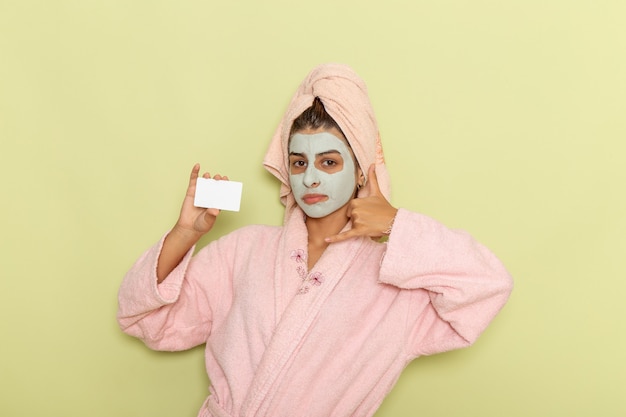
196	220
192	224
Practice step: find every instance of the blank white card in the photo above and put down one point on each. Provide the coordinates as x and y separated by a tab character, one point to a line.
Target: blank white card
223	195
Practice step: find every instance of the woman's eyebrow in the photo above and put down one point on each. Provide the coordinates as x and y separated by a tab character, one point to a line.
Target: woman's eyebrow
328	152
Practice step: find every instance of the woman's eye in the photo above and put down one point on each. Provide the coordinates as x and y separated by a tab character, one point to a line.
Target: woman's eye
299	164
329	163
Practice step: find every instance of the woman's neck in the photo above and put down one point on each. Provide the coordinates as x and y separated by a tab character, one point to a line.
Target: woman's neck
321	228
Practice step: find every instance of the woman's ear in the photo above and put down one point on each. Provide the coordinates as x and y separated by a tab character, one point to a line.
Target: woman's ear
361	178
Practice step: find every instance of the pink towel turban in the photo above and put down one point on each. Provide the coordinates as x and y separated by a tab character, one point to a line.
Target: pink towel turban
344	95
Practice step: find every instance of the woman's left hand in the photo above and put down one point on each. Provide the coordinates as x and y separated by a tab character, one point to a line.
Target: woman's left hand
371	216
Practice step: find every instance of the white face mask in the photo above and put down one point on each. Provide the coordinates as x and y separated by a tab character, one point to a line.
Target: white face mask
318	188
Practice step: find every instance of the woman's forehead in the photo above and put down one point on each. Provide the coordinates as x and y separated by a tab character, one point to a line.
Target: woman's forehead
317	143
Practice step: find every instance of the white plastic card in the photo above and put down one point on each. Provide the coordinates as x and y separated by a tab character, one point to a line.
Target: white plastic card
223	195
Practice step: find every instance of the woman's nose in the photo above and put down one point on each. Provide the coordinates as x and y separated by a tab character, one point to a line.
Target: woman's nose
311	177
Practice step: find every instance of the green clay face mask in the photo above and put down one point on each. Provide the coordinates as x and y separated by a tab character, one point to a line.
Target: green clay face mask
317	189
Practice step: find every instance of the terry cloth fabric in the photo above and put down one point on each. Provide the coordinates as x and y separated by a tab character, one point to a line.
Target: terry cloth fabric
276	349
344	95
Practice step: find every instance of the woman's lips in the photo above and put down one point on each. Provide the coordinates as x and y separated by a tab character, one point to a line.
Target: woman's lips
314	198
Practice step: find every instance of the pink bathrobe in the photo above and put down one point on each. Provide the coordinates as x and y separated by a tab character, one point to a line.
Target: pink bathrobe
283	341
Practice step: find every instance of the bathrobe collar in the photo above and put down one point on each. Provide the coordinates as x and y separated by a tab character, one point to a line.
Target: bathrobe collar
299	295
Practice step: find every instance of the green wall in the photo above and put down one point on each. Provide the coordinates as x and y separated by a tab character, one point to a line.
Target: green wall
505	118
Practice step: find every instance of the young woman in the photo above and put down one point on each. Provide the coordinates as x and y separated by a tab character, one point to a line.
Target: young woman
317	317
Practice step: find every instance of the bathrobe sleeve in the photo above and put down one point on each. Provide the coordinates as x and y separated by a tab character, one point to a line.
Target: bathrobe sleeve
458	285
176	314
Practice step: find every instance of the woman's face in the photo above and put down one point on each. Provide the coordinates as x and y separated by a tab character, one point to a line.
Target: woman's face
322	171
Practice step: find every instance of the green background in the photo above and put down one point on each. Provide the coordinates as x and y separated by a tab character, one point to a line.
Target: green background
504	118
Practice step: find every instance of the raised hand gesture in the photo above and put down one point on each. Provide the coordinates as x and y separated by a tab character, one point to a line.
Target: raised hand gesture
192	219
193	222
371	216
